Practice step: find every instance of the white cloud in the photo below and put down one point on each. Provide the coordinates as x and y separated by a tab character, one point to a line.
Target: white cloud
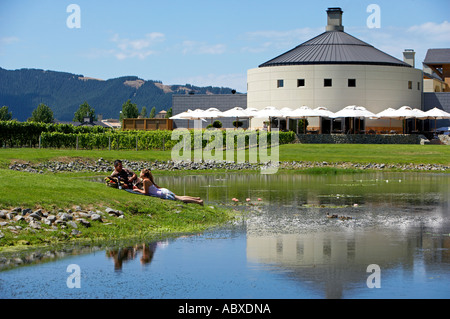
9	40
195	47
432	32
394	40
140	48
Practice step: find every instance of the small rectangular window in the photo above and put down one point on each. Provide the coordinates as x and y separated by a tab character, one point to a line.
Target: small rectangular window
410	85
327	82
352	83
280	83
418	86
300	82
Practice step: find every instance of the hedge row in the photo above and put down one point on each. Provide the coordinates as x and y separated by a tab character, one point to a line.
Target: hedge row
143	140
13	133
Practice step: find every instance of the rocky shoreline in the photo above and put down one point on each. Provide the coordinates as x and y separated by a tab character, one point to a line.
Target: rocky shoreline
104	166
73	220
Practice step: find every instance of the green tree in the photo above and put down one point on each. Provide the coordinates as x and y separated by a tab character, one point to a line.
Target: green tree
5	114
152	112
42	113
129	111
85	110
169	113
143	112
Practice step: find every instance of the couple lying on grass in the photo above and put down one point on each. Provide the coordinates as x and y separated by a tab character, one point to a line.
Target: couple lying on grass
149	186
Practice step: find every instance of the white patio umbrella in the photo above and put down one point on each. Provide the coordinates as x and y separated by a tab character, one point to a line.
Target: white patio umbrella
212	113
190	115
437	114
237	112
354	111
287	111
182	116
390	114
303	112
405	112
324	112
419	114
269	112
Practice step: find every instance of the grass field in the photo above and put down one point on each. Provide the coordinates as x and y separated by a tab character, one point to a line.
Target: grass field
354	153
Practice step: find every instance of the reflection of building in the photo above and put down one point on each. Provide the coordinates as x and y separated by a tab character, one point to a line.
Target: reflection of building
338	260
334	70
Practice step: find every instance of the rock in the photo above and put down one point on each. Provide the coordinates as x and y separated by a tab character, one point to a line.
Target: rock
26	211
72	224
19	218
51	218
75	232
2	235
65	217
84	222
3	224
96	217
110	210
60	222
35	224
3	214
35	216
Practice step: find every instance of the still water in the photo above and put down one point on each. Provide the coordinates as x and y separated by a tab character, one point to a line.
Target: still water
284	246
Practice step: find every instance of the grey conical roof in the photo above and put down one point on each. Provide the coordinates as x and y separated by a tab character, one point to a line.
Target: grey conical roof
335	47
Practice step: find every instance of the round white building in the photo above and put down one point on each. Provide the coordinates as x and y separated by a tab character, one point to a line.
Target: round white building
335	70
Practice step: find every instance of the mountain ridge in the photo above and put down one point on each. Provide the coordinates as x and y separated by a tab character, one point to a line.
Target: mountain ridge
22	90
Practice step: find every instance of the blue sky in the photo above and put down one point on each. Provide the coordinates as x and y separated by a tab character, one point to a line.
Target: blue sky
199	42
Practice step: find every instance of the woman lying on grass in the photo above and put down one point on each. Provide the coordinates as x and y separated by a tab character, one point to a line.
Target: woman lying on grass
150	188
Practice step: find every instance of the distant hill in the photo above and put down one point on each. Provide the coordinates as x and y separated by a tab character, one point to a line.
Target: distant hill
22	91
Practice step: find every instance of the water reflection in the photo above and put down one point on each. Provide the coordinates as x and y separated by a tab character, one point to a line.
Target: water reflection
120	255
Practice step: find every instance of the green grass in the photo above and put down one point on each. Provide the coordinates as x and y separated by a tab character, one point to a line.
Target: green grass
353	153
144	216
367	153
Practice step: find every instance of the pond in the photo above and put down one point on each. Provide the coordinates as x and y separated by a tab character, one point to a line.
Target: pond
389	238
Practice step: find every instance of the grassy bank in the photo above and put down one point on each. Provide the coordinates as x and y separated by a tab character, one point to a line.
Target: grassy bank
144	216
